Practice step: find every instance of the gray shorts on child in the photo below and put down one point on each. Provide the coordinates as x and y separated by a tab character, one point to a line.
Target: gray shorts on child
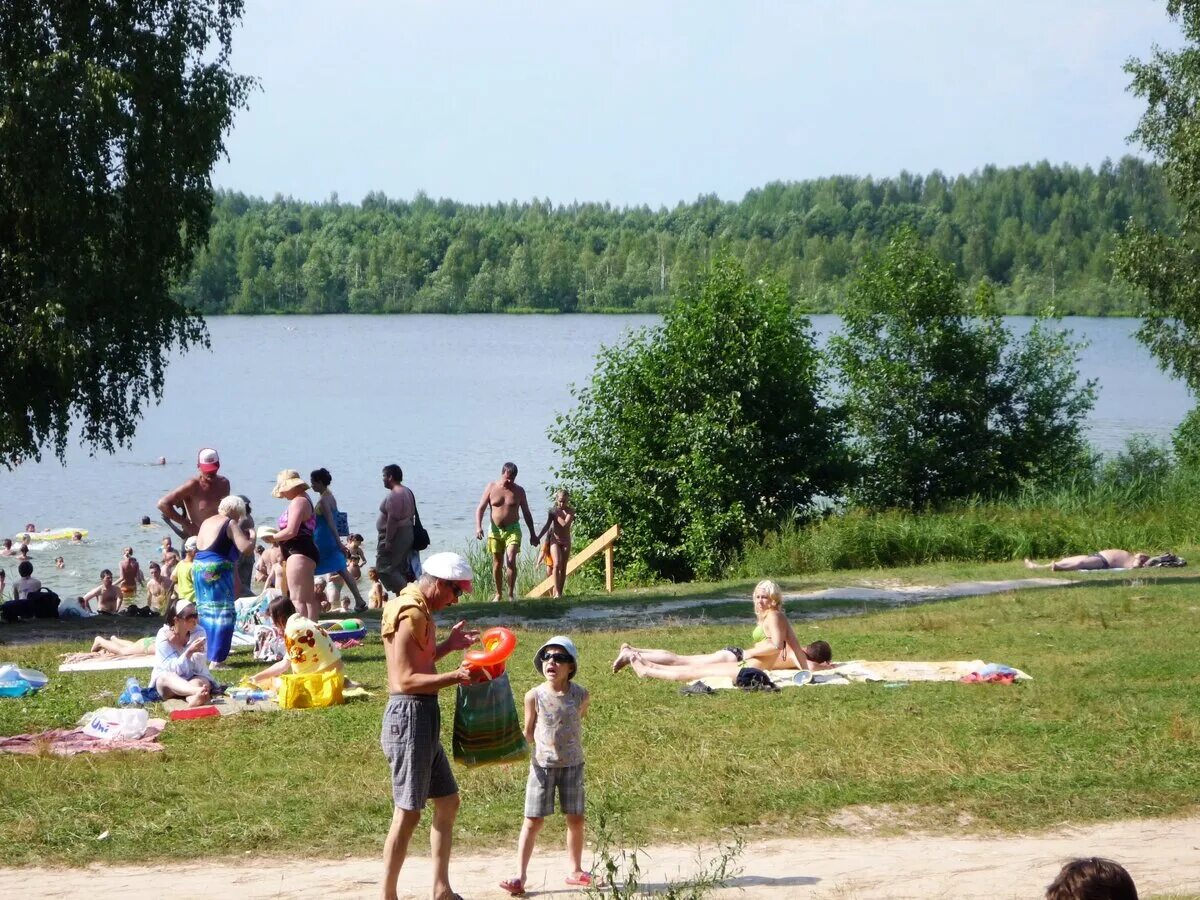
410	740
542	784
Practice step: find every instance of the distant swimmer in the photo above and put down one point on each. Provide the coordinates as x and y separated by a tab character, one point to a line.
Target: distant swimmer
197	498
59	562
7	549
161	461
147	523
77	537
30	527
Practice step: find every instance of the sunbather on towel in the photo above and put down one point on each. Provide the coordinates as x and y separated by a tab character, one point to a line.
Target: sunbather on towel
775	647
1101	559
119	646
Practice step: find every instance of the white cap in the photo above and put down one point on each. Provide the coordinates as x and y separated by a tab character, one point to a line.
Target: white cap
191	544
207	460
449	567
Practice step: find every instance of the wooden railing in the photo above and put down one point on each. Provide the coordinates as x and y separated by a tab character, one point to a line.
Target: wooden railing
604	542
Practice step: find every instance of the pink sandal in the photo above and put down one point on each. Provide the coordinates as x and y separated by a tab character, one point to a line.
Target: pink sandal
514	886
583	879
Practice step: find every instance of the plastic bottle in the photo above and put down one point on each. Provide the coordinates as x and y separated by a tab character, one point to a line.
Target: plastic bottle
135	692
249	695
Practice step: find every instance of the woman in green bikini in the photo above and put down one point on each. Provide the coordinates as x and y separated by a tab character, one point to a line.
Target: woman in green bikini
775	647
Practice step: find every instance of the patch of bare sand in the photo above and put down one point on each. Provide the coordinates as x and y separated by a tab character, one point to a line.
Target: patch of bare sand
1163	855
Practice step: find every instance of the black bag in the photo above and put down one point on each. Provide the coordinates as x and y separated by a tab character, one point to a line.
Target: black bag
44	603
420	535
749	679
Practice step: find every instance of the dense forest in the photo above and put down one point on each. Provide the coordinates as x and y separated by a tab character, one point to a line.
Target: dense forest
1043	234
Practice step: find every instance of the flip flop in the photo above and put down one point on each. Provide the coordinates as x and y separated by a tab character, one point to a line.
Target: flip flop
583	879
514	886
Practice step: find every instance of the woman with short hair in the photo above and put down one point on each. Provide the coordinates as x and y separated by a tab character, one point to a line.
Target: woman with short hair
219	545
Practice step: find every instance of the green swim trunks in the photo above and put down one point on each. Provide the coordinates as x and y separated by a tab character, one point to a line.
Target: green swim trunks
501	537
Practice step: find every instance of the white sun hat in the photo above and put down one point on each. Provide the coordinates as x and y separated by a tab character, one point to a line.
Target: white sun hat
449	567
559	640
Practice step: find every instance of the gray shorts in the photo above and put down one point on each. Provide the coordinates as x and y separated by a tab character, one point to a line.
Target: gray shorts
410	739
544	782
392	564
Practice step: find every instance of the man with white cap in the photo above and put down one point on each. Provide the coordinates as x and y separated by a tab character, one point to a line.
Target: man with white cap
197	498
412	720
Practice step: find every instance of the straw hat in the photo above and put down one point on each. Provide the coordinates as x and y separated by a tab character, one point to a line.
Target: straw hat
286	480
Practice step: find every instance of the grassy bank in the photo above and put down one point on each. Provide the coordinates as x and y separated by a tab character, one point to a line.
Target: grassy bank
1107	729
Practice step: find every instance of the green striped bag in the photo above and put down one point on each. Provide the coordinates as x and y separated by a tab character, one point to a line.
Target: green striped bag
486	728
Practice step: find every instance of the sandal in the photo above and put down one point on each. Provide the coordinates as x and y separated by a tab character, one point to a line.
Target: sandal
583	879
514	886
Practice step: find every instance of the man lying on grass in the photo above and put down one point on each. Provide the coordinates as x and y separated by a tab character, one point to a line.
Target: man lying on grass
775	647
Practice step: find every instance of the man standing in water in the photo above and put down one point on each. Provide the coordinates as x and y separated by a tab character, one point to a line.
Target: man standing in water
197	498
507	500
395	527
131	576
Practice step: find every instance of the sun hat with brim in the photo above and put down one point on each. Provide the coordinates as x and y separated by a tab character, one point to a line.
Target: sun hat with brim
559	640
287	480
449	566
263	531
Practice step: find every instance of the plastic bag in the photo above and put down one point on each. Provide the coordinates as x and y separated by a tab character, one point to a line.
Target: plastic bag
110	724
313	690
486	729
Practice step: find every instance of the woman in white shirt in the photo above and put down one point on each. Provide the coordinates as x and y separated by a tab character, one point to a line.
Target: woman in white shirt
180	662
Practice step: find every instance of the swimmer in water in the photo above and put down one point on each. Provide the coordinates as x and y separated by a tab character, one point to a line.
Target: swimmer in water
146	523
161	461
59	563
77	538
30	527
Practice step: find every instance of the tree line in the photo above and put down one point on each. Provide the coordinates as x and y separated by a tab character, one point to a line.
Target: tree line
1041	234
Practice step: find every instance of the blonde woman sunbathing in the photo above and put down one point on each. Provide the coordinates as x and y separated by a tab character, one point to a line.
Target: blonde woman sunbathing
1101	559
775	647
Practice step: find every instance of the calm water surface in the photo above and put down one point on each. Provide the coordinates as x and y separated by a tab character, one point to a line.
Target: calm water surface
449	398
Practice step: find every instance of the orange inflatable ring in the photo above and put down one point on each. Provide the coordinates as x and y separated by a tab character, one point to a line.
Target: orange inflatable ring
498	646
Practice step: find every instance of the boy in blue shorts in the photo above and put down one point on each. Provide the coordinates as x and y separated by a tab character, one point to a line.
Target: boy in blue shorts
554	712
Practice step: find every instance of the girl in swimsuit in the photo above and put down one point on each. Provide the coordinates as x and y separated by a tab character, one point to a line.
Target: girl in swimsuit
295	542
557	532
775	647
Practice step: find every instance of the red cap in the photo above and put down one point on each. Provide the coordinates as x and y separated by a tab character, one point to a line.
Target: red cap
207	461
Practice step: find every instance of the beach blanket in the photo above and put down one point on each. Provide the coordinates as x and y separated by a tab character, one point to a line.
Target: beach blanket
72	741
863	671
486	729
225	706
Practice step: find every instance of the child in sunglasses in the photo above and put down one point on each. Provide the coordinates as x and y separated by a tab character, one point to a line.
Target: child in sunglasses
554	711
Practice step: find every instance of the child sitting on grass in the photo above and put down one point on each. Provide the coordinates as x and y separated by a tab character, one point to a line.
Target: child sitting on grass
554	712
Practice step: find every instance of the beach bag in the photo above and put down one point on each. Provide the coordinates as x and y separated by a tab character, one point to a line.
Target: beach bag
343	523
310	691
44	603
420	535
110	724
486	729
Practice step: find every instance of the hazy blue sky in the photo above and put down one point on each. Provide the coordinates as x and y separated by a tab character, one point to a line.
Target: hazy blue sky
655	102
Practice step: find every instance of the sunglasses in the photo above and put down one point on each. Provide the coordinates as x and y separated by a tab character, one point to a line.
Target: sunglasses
458	591
560	658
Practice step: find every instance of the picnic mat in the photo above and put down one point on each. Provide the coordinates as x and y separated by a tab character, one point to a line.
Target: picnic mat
225	706
70	741
862	671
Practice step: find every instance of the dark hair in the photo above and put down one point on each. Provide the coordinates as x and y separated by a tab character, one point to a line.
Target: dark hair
173	608
245	500
25	569
321	475
7	543
393	471
107	572
1093	878
145	520
357	537
510	468
280	610
819	651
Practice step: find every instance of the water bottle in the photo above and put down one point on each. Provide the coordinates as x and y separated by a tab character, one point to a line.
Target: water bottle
135	692
249	695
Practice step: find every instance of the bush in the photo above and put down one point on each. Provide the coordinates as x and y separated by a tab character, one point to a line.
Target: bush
696	434
942	403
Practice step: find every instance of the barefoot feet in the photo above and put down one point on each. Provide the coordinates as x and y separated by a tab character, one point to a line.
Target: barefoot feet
623	658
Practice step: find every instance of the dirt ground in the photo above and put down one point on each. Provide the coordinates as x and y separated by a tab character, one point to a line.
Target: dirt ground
1162	855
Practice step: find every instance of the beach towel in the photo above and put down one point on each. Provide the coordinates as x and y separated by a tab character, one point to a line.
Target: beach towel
71	741
226	706
213	580
863	671
486	729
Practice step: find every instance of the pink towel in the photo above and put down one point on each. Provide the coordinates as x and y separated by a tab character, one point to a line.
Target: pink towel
68	742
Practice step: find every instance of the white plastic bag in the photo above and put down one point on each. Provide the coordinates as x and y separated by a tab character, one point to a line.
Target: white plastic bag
111	724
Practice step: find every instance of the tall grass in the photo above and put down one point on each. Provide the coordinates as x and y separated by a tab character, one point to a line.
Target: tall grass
1138	500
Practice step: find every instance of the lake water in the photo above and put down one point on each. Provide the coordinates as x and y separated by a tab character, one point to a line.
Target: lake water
449	398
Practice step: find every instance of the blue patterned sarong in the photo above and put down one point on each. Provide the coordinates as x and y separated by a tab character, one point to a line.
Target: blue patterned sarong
212	575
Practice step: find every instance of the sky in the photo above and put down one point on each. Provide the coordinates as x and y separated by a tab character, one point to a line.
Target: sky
660	101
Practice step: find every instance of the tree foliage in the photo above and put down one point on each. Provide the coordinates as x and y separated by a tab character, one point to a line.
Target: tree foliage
1039	232
1164	263
942	403
111	117
700	432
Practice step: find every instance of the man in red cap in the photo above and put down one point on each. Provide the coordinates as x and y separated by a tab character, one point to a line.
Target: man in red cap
196	499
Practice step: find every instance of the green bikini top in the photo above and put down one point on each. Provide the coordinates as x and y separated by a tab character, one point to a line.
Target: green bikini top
758	634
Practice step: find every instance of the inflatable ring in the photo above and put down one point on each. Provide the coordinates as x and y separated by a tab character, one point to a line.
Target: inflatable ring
57	534
498	646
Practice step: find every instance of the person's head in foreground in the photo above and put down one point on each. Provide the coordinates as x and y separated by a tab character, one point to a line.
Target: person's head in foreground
1092	878
557	660
182	617
445	577
232	507
767	595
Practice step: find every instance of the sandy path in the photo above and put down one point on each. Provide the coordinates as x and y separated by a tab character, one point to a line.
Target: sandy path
1162	855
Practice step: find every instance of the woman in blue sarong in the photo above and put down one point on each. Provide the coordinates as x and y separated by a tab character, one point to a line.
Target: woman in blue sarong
333	551
219	544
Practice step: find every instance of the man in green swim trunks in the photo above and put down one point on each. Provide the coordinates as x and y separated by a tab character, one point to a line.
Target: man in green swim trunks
507	501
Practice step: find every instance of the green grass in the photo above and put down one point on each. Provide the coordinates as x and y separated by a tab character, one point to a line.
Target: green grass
1108	729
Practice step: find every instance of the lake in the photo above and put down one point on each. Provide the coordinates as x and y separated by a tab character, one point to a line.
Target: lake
449	398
